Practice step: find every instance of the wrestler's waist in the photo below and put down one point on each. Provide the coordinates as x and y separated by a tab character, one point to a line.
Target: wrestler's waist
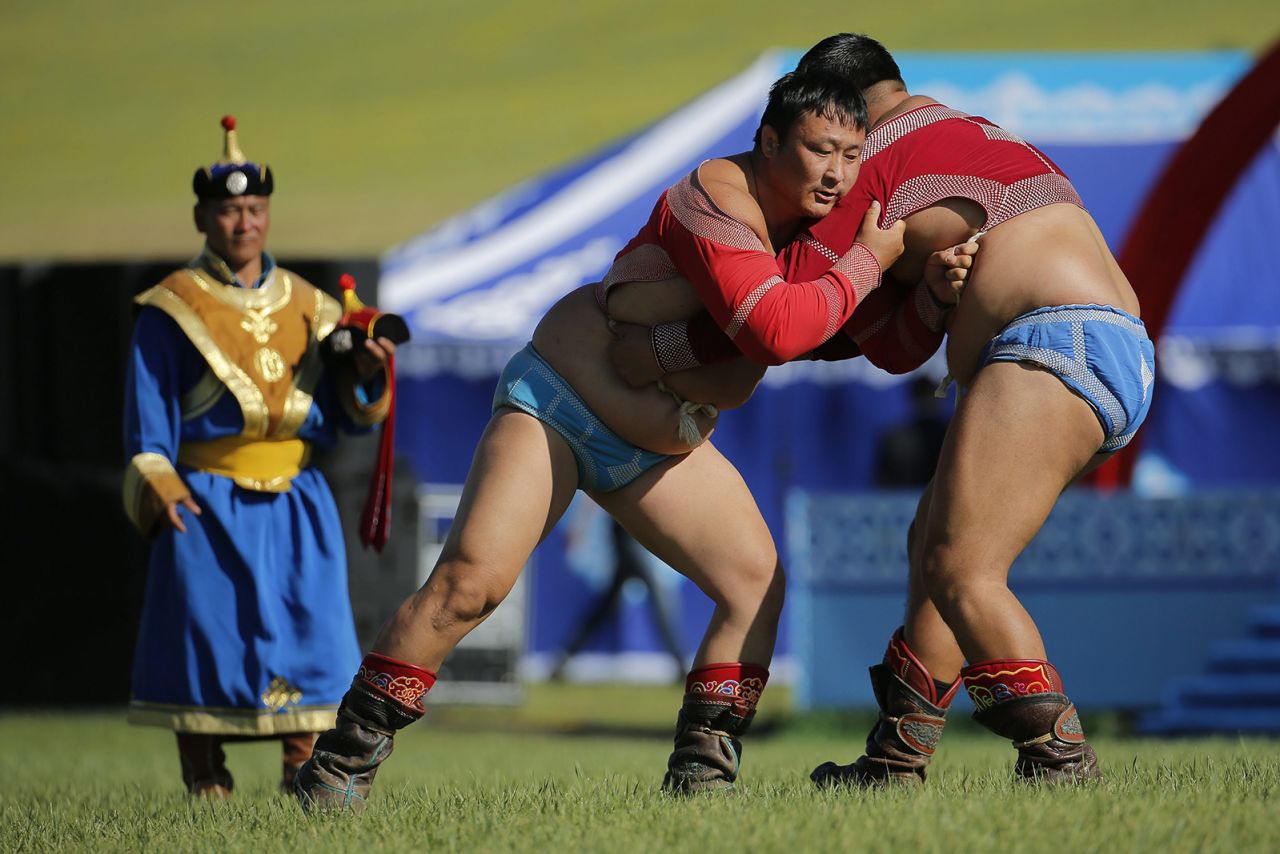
263	465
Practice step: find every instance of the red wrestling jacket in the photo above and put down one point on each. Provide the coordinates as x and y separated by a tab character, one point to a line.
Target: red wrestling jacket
751	305
913	160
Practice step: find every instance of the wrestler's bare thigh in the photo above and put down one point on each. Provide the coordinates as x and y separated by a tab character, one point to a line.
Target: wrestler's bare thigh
697	515
1017	439
522	478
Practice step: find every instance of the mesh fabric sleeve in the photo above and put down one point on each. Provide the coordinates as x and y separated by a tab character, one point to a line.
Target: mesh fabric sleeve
897	327
767	318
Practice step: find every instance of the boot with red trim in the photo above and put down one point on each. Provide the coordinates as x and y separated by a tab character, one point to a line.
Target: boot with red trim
1022	700
719	704
385	696
913	708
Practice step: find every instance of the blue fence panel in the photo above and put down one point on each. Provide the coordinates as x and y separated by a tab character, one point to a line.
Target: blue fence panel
1129	593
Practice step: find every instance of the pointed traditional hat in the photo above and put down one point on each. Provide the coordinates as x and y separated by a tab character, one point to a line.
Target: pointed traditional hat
233	175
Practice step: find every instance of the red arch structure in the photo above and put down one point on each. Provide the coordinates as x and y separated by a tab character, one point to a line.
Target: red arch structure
1182	205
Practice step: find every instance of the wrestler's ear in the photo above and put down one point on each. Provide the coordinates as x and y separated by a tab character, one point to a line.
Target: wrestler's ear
769	141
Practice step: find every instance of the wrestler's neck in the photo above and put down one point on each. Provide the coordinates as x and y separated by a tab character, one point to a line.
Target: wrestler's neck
782	221
888	99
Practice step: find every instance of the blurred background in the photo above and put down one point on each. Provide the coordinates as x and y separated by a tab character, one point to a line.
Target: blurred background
470	164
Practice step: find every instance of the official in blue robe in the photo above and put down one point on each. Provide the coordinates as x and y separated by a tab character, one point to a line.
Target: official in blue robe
247	629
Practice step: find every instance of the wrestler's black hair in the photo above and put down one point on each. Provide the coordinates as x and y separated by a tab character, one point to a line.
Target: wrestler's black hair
795	95
853	56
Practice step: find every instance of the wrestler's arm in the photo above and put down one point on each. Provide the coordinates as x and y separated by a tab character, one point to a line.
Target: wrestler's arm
897	327
900	327
770	318
725	385
679	346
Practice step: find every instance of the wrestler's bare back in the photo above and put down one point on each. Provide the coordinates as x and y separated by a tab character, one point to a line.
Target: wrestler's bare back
1053	255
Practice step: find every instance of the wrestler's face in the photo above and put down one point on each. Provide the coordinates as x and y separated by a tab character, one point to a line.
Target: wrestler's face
815	164
235	228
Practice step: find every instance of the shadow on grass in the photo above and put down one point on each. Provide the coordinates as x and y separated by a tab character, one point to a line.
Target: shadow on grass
827	724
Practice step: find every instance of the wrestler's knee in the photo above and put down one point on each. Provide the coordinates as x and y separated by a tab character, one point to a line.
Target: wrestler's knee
776	592
757	585
462	593
944	572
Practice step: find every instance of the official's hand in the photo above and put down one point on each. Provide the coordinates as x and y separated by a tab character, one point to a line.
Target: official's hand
884	243
631	354
373	358
946	272
175	518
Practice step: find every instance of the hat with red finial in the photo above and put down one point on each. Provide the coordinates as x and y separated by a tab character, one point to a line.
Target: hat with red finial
233	175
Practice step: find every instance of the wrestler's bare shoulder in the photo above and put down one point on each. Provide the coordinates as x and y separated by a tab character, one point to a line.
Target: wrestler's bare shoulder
724	174
726	181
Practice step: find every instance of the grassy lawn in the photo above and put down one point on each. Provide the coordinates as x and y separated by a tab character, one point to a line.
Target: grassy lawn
561	773
381	119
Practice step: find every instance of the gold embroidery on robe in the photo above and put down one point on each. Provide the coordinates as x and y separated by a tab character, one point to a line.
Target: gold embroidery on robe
270	364
280	694
261	344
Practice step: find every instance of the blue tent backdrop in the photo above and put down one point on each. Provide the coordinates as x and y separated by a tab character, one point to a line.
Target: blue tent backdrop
474	287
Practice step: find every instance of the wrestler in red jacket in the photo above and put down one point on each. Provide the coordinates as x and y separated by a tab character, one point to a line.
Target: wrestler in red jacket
914	161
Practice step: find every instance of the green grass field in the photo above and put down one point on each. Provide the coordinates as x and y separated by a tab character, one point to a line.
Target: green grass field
381	119
564	774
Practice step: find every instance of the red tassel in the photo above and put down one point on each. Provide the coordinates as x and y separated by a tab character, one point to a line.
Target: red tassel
375	521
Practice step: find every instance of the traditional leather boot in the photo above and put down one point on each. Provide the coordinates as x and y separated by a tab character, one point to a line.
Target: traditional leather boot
296	748
385	696
1022	700
913	707
719	703
204	769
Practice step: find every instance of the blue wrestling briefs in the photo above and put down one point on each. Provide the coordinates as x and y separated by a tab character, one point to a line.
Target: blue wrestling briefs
605	461
1101	353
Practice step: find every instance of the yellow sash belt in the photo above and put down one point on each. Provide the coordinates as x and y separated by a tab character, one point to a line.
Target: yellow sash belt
258	464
